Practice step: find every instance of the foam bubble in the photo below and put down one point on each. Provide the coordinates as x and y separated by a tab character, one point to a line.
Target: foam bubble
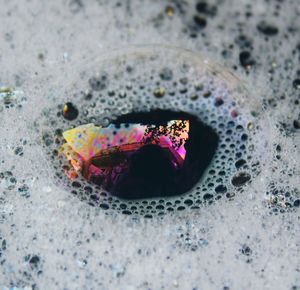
143	79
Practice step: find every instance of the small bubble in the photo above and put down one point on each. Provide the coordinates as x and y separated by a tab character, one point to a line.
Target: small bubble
221	189
166	74
170	11
207	196
122	95
246	60
250	126
240	179
194	97
70	112
200	21
104	206
188	202
205	8
160	92
230	194
267	29
296	124
198	87
207	94
219	102
234	113
88	95
240	163
244	137
34	261
296	84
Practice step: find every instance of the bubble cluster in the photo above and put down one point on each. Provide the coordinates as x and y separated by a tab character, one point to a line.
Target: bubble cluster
282	198
10	98
148	79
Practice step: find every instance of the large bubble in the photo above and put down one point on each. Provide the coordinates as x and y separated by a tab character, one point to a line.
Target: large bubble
165	79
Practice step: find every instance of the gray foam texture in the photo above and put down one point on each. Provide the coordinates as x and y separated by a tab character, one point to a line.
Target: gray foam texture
50	239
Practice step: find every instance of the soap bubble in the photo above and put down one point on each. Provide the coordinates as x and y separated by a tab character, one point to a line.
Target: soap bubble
150	78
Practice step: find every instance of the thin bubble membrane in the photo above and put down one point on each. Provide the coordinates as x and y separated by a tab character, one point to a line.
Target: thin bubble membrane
144	80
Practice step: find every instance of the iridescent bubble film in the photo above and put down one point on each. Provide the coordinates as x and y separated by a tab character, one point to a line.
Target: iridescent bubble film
103	154
212	102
